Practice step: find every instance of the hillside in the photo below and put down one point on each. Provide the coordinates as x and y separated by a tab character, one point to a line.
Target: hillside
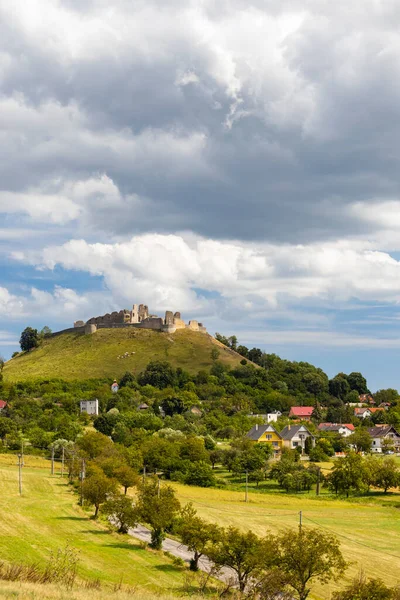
73	355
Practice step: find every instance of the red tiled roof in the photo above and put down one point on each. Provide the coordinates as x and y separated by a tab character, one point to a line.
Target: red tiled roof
373	410
301	411
3	404
349	426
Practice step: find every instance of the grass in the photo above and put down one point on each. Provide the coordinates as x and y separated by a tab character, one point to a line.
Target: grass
78	356
369	529
47	518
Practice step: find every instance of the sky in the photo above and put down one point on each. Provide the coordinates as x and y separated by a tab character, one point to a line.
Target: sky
236	160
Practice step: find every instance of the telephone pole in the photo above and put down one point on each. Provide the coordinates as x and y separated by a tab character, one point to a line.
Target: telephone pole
318	480
20	473
52	460
301	520
83	475
62	461
246	496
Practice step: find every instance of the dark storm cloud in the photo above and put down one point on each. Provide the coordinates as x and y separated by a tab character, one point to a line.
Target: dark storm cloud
217	122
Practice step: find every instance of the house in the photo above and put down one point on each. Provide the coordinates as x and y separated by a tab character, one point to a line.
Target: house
362	413
301	412
3	405
114	387
295	436
143	406
375	410
344	429
90	407
273	416
382	436
266	434
385	405
366	398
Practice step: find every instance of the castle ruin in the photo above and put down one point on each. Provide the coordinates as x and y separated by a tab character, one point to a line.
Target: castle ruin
139	317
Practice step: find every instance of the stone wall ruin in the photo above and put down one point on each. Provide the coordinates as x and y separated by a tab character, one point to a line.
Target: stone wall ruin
139	317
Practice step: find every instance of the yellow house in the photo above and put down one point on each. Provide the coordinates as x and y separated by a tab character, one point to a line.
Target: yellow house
266	434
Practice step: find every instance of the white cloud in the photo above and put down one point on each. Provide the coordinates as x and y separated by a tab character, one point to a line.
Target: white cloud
170	267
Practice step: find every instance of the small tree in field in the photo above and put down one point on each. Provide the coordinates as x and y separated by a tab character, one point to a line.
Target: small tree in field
308	555
363	589
243	552
196	534
158	507
388	475
121	509
29	339
97	488
126	476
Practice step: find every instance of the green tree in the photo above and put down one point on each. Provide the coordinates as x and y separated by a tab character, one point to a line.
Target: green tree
29	339
214	354
198	535
97	488
160	374
127	380
126	476
357	382
363	589
306	556
158	507
339	386
93	443
242	552
45	332
201	474
361	440
120	508
347	474
388	475
389	395
370	467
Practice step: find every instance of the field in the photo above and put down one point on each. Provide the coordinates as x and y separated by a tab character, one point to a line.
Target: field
78	356
47	517
368	529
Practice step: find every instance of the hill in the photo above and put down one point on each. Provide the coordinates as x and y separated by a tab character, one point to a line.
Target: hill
73	355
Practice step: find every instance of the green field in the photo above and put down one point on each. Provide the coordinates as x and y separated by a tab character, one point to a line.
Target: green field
369	530
77	356
47	517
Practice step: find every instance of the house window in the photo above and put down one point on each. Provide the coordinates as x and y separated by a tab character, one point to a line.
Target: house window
274	444
268	436
295	444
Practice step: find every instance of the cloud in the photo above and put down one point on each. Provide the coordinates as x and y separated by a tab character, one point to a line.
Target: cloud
246	120
168	269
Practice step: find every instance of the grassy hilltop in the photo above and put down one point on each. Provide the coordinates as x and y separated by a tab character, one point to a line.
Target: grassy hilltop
77	356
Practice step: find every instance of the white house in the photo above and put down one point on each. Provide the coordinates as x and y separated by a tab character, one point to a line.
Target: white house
91	407
274	416
343	429
382	434
294	436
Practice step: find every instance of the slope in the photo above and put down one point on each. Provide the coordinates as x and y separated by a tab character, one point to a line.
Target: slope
72	355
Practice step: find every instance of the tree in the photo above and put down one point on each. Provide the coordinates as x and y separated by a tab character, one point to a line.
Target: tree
316	383
201	474
363	589
361	440
370	467
339	386
158	507
215	354
172	405
97	488
389	395
45	332
232	340
198	535
387	476
29	339
347	474
2	363
122	511
243	552
308	555
93	443
127	380
160	374
357	382
126	476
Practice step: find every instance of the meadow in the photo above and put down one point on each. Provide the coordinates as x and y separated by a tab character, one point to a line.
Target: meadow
47	518
77	356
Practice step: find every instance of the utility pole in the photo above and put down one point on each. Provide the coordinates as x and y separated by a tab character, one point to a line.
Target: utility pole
20	473
62	461
301	520
22	452
246	497
83	475
318	480
52	460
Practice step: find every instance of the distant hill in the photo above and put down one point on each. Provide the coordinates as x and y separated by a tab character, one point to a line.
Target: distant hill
73	355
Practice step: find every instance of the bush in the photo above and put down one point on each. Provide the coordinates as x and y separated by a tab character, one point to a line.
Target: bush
200	474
